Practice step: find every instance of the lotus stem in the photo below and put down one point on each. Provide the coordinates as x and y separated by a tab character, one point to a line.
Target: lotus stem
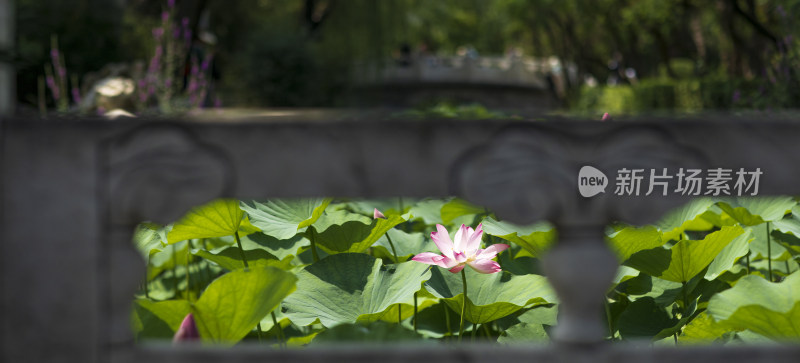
241	250
174	269
447	321
463	306
748	261
415	303
608	319
391	244
313	244
276	325
147	277
769	254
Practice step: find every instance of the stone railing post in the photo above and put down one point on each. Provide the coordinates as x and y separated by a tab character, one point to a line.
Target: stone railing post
580	268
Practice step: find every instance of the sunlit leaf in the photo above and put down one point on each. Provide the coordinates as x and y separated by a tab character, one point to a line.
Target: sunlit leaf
354	236
729	255
630	240
231	258
458	208
158	319
233	304
686	258
755	211
284	218
218	218
535	238
677	221
352	287
490	296
767	308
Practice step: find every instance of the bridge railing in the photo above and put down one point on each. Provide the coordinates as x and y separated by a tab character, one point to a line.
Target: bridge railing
73	190
513	71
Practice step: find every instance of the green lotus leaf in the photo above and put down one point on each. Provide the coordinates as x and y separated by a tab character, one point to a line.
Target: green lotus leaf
644	318
407	245
430	211
280	248
755	211
338	217
387	205
366	333
730	254
490	296
147	239
460	211
433	321
703	330
352	287
678	220
686	258
630	240
233	304
231	258
524	333
158	319
771	309
218	218
354	236
775	250
284	218
534	238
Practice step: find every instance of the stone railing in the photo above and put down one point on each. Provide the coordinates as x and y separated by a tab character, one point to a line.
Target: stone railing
507	71
72	191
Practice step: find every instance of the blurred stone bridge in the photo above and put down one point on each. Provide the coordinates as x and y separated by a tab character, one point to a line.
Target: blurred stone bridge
513	82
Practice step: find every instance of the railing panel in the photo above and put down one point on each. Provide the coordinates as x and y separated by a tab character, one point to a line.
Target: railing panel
72	191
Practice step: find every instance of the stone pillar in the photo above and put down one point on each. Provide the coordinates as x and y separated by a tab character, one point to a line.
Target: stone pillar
7	79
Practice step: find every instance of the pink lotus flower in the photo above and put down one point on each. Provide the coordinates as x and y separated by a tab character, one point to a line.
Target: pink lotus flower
606	117
464	251
187	331
377	214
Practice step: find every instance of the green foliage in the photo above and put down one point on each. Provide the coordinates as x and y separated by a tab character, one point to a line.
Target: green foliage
763	307
490	296
233	304
218	218
352	287
700	274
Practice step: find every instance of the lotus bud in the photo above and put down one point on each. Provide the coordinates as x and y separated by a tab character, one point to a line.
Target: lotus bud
187	331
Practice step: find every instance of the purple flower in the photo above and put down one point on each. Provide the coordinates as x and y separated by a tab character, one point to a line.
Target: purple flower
205	64
158	32
170	4
736	96
781	11
54	55
217	102
164	16
185	22
76	95
51	83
